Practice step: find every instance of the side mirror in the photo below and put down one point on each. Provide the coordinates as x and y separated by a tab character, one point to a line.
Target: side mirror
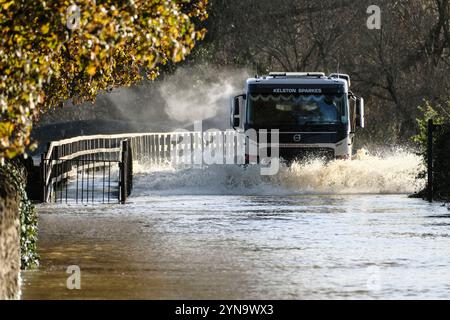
360	113
235	118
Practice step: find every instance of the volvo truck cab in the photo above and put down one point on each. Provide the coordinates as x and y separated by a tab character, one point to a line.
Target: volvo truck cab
316	115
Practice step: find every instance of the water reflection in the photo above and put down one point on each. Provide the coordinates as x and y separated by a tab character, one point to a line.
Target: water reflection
249	247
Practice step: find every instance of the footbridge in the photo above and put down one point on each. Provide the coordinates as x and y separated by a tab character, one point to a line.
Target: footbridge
99	168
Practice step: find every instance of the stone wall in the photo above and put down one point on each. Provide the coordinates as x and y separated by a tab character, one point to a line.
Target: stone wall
9	240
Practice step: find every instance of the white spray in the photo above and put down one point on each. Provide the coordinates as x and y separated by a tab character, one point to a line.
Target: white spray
391	173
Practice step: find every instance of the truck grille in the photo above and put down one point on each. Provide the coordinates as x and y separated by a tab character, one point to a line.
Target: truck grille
290	154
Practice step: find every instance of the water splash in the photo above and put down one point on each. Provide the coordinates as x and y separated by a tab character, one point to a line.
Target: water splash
388	173
200	93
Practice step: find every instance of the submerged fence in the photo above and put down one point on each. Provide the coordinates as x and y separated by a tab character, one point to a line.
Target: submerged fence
99	168
87	169
188	147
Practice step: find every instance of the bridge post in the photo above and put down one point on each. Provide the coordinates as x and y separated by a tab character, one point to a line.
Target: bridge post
44	168
129	167
43	179
124	172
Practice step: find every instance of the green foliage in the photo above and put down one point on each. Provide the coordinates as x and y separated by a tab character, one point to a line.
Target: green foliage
28	218
50	53
428	112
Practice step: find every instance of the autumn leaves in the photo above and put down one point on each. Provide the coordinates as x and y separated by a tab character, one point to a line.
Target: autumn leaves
58	50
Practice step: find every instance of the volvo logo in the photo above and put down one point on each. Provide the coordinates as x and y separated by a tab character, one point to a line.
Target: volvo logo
297	138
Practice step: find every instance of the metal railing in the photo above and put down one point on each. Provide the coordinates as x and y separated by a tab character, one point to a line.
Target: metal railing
80	180
85	169
185	147
99	168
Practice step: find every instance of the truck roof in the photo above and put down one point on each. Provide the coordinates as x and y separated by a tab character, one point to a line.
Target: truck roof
298	79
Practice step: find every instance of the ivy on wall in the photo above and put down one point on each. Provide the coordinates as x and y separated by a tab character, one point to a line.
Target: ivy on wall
15	175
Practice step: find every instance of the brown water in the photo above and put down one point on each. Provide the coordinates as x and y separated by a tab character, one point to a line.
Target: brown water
227	233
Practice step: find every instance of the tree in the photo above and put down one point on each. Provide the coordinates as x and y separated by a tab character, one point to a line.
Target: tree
58	50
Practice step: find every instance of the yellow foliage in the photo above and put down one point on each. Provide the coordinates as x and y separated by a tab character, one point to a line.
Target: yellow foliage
45	28
91	70
50	54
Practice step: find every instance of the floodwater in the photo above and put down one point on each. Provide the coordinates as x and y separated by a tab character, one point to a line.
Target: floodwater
336	230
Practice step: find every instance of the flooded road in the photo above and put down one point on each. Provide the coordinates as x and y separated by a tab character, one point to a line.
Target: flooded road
214	234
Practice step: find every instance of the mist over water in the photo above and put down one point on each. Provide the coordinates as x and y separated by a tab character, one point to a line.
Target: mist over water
195	93
198	93
393	172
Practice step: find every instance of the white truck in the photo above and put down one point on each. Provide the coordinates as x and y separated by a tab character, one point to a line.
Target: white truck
316	115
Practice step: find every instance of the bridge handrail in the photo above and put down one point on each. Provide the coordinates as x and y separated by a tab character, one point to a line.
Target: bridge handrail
50	160
108	136
153	146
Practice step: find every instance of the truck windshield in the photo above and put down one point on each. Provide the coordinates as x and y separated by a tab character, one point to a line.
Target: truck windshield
278	109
